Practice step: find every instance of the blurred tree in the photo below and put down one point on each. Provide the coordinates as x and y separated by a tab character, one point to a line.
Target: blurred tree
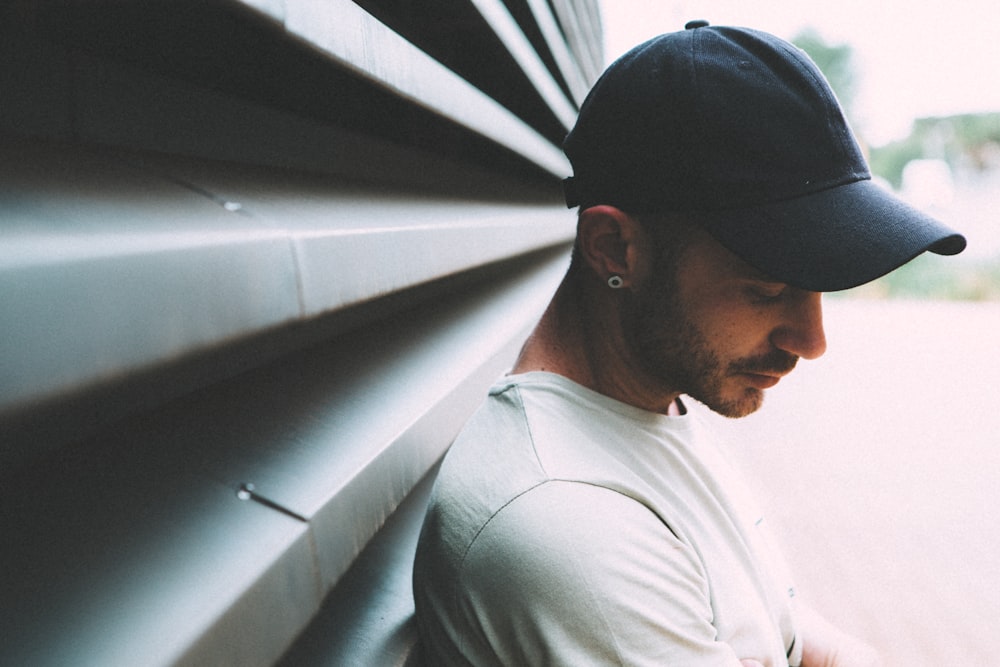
965	142
968	141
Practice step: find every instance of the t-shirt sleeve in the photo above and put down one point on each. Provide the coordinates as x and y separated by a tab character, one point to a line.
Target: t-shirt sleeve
577	574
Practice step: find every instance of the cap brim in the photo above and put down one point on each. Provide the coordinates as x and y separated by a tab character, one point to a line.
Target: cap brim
834	239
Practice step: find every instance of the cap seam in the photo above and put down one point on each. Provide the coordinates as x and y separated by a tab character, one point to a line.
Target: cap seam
833	111
849	179
695	119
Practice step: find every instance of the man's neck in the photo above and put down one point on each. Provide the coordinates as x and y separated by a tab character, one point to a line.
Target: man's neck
579	337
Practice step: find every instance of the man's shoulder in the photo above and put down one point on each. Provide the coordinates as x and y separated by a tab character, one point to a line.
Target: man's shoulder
493	456
531	538
584	560
522	435
559	516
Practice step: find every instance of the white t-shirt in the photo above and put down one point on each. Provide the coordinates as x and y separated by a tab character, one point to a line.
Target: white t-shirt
567	528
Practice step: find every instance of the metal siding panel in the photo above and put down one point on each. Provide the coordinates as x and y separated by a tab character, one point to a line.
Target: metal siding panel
341	434
143	531
138	561
520	48
341	267
134	546
112	267
105	268
568	66
274	9
382	632
583	35
354	244
352	36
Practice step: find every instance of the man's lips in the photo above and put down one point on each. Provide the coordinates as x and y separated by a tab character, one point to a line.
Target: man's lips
765	371
762	380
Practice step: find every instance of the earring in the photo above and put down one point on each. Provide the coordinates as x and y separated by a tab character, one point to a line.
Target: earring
615	282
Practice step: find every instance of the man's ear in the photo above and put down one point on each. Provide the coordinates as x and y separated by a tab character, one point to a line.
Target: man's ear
611	242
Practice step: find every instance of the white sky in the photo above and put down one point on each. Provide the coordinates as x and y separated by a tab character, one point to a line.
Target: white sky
912	58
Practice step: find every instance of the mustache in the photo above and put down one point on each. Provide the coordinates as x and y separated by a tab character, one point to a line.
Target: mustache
776	362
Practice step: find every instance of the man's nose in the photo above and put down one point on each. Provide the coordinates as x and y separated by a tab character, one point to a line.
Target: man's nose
801	333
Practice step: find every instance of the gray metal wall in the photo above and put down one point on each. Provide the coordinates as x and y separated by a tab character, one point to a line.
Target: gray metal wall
259	260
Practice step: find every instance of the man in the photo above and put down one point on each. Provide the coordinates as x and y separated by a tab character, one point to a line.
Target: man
585	516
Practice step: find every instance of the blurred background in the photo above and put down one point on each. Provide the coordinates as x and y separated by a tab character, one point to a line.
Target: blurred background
917	81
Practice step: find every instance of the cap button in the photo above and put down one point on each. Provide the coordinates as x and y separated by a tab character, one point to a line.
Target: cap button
697	23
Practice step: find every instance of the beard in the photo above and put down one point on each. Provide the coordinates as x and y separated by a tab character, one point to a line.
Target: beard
680	358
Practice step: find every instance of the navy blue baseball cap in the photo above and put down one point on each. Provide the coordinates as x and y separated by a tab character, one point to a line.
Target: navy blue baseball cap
740	128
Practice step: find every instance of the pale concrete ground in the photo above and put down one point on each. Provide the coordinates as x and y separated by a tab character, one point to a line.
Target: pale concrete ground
878	467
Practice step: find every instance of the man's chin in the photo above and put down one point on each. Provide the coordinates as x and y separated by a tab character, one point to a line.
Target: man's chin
735	408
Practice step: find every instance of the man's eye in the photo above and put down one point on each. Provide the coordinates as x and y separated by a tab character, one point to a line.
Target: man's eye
766	294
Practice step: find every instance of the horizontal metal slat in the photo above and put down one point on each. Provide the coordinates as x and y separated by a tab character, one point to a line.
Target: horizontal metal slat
359	41
121	106
356	243
104	269
570	69
216	89
112	559
520	48
581	25
97	287
383	631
